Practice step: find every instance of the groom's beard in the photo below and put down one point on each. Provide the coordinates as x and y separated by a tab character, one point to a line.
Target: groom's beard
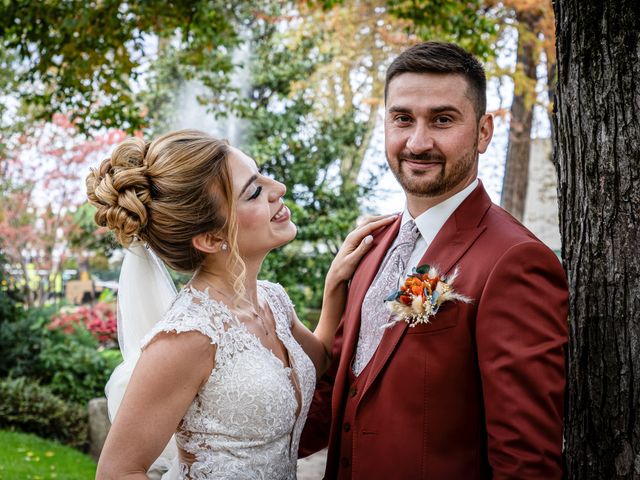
429	183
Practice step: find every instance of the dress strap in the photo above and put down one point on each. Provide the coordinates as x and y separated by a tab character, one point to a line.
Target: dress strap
193	310
282	301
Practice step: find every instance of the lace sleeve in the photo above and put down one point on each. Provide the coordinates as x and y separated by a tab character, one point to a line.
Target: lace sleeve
278	292
191	311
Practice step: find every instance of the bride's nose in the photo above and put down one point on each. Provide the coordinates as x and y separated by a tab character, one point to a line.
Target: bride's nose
277	191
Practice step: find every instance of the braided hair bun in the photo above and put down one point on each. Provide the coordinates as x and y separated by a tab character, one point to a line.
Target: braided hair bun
121	191
166	192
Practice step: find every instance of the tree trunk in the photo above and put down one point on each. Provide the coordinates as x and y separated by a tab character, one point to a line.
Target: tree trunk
516	175
597	154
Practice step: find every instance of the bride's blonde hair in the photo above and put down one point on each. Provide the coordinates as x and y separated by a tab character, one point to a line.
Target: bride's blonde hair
166	192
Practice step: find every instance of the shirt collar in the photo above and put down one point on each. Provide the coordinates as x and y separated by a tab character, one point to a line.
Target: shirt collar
430	222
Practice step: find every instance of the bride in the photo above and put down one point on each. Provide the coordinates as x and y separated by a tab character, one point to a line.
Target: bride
225	366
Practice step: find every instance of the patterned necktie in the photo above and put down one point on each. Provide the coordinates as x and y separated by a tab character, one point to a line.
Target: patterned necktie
374	311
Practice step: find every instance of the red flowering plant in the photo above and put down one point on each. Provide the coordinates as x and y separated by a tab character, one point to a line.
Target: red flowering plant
100	320
421	295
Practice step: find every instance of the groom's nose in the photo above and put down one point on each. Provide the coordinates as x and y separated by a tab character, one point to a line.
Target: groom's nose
420	140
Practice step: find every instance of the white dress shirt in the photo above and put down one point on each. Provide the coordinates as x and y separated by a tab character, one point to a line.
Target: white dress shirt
430	222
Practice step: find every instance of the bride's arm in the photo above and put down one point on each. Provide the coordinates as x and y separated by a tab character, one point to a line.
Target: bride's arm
318	344
167	377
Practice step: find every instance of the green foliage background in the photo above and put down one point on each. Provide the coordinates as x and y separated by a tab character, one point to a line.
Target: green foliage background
99	65
70	365
289	144
48	376
33	408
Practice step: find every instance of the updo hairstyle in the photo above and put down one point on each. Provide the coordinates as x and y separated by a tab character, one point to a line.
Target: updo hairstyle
166	192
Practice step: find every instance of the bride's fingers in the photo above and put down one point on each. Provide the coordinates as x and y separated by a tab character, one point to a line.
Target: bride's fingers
362	221
362	248
351	256
366	229
355	238
357	243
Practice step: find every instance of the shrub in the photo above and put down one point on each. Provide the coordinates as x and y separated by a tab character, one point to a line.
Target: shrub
21	340
9	294
100	320
75	369
71	365
113	357
9	308
33	408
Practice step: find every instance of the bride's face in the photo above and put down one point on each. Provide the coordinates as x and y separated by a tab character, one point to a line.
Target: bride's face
264	222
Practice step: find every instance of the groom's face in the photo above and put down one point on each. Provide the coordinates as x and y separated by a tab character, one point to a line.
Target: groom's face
432	134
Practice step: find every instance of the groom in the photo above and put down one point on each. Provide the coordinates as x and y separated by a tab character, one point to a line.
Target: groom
477	393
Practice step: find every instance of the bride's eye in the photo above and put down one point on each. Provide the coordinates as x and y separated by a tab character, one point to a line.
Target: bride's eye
256	194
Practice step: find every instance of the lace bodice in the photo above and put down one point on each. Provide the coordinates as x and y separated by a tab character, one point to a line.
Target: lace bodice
242	424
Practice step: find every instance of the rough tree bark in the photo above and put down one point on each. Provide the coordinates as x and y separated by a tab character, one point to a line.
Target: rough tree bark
516	173
597	154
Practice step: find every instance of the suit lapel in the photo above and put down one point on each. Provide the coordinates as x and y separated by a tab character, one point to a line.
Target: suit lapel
449	246
360	283
453	240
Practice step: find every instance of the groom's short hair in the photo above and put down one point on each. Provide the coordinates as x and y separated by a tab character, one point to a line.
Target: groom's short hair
446	58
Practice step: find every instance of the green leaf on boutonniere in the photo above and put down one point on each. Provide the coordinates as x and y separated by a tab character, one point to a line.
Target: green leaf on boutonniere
422	269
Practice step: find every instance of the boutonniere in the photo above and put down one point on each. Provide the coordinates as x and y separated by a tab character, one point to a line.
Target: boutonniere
421	295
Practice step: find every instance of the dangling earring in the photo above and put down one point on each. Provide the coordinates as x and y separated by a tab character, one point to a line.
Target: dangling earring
224	246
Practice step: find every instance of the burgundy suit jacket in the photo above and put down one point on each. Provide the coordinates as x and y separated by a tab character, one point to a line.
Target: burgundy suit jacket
475	394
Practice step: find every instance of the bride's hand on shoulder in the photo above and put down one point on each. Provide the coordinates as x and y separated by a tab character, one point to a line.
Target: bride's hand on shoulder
355	245
319	344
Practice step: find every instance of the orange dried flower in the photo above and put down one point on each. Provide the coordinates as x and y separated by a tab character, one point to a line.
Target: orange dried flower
406	299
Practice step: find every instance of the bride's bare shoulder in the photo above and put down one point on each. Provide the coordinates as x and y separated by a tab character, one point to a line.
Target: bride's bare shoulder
180	355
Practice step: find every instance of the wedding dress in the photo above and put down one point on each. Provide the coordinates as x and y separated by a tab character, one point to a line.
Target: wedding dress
246	421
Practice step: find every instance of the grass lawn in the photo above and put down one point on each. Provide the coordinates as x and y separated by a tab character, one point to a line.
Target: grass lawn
26	456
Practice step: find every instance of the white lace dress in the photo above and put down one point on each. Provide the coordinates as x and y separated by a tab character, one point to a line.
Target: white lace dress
242	424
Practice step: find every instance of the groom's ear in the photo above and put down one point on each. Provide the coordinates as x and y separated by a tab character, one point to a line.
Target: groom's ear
485	132
207	242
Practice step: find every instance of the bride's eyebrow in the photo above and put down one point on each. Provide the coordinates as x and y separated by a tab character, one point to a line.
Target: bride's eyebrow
249	182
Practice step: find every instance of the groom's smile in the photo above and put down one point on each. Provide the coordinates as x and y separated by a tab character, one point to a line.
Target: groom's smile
425	162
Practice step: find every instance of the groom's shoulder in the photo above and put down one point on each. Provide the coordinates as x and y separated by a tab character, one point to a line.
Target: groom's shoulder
503	231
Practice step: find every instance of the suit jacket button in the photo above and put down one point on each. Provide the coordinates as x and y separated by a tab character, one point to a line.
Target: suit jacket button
353	391
347	427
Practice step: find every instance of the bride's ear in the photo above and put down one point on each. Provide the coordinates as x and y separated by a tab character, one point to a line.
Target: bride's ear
208	243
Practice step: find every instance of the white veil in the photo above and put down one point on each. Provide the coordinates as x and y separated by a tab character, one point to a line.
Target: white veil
145	293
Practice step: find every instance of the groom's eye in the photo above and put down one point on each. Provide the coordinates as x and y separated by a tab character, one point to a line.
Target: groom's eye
402	119
443	120
256	194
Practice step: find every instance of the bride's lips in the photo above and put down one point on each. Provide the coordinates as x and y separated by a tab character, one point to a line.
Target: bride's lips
282	215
